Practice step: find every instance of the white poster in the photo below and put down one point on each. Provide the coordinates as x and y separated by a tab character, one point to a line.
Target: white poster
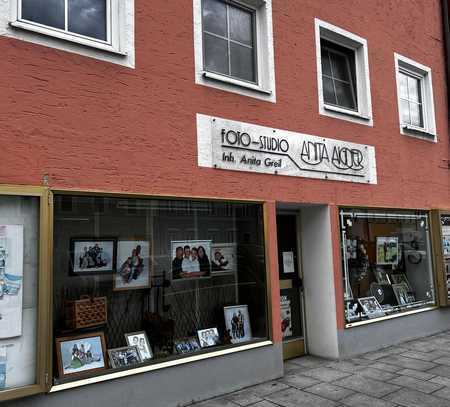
11	280
288	263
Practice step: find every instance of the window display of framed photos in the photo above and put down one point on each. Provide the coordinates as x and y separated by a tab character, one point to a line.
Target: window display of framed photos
237	323
186	345
78	355
223	258
140	341
403	294
371	307
93	256
387	250
208	337
400	279
382	276
133	265
125	356
190	259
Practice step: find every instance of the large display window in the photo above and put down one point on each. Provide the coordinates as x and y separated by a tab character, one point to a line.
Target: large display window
143	281
387	263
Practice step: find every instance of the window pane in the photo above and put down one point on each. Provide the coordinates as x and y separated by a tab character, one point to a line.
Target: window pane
404	110
241	25
88	17
47	12
340	66
416	114
216	54
326	66
215	17
242	62
344	95
414	89
403	85
328	91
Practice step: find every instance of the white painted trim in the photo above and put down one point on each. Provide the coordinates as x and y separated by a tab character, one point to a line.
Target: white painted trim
163	365
265	88
359	45
428	132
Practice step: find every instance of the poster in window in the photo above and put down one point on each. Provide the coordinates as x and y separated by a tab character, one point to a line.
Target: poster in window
11	280
223	258
288	263
387	250
190	259
286	317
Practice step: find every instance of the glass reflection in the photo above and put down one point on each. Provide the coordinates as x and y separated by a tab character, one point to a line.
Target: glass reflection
88	17
46	12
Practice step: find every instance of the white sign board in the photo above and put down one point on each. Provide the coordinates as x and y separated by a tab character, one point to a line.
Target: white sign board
238	146
288	262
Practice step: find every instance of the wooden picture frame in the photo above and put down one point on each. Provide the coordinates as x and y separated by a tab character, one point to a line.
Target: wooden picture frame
87	256
80	341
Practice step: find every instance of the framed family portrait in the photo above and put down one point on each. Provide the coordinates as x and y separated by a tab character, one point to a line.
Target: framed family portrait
133	265
186	345
223	258
387	250
371	307
81	354
93	256
237	323
190	259
140	341
125	356
208	337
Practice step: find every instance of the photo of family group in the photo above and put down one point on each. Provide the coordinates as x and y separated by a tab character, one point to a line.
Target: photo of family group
90	256
186	345
208	337
124	357
237	323
133	265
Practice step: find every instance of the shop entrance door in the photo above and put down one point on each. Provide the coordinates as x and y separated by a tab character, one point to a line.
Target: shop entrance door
291	287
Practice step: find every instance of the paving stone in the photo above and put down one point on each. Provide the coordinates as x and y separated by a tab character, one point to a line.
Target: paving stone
326	374
264	403
298	381
297	398
440	370
220	402
445	381
361	362
329	391
376	374
243	398
254	394
416	384
421	346
362	400
408	363
413	398
416	373
386	367
427	357
264	389
443	361
443	393
309	361
345	366
367	386
378	354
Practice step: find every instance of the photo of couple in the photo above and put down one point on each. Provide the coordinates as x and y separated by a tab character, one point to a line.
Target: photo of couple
223	258
133	265
190	259
237	322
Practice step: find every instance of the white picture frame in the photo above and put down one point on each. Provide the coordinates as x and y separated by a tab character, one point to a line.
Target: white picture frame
223	258
140	341
237	322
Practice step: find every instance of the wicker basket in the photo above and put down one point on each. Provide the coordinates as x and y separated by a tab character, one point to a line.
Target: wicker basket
86	312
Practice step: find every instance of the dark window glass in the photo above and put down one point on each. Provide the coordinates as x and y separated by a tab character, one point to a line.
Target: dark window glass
215	17
241	26
242	62
216	54
411	106
88	17
46	12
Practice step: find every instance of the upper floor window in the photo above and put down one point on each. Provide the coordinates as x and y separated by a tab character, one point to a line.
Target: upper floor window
415	99
342	74
233	43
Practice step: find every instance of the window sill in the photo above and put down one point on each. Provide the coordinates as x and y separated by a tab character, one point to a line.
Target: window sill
346	112
235	82
65	37
418	132
158	366
393	316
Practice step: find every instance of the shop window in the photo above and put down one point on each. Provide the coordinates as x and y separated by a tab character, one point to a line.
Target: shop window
343	74
387	266
415	99
136	288
234	46
19	276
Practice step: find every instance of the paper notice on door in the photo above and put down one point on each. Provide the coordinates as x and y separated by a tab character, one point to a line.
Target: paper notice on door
288	262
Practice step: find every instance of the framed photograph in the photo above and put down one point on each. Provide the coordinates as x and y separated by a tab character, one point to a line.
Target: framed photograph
387	250
351	311
190	259
11	280
93	256
133	265
400	279
403	294
126	356
81	354
382	276
223	258
371	307
208	337
237	323
140	341
286	316
186	345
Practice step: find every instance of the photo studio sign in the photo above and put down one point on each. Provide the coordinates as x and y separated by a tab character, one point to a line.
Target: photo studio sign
231	145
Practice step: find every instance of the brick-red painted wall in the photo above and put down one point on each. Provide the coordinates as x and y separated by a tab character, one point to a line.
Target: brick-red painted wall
94	125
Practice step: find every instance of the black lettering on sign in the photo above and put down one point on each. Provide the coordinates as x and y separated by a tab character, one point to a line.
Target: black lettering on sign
348	158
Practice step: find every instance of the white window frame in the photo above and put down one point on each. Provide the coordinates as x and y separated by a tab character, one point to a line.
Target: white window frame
343	38
114	28
422	72
265	67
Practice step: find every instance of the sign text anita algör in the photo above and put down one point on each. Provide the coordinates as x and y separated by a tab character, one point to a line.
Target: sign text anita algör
238	146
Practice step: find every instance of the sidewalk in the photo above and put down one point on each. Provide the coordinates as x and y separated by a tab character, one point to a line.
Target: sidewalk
413	374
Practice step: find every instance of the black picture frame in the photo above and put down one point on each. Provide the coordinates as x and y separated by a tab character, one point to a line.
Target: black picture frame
78	245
